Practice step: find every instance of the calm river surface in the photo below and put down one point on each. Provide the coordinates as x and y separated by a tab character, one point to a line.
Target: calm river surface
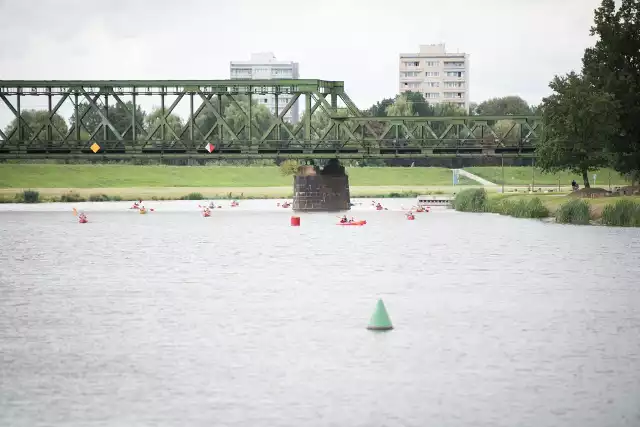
172	319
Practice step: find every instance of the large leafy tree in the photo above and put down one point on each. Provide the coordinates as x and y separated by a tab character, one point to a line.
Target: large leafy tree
37	122
506	105
419	104
579	120
119	116
153	125
613	66
401	107
379	109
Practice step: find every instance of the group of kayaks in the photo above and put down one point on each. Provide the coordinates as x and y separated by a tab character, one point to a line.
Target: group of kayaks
206	210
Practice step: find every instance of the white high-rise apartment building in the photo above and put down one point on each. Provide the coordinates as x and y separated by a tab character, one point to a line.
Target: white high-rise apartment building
440	76
263	66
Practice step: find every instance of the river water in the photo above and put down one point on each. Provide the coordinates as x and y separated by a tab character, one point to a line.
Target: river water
172	319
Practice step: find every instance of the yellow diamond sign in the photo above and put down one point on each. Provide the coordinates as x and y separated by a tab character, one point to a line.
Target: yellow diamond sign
95	147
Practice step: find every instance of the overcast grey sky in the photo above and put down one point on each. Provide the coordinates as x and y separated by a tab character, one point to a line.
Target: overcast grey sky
516	46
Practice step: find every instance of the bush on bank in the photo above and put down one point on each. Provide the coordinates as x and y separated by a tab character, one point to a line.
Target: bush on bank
471	200
576	211
476	200
624	213
532	208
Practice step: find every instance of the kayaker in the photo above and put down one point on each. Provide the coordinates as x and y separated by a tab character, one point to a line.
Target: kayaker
352	220
344	220
211	205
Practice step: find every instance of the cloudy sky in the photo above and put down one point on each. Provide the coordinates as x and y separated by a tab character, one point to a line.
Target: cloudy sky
516	46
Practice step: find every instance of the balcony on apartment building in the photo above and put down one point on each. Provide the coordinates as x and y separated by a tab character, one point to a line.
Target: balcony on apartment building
411	66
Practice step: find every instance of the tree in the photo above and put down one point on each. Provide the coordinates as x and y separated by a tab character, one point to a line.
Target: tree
446	109
400	107
154	119
505	106
379	109
419	105
119	116
613	66
579	121
37	122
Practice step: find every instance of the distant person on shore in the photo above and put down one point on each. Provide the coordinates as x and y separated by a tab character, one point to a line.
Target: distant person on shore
574	185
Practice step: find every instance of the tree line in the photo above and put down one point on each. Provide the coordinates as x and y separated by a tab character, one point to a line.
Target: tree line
592	119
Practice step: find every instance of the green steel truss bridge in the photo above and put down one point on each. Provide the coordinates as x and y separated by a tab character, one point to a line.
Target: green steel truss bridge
346	132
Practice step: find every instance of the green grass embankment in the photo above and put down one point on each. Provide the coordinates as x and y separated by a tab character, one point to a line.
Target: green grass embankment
521	175
128	182
126	176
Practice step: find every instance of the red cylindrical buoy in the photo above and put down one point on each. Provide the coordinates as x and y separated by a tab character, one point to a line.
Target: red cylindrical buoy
295	221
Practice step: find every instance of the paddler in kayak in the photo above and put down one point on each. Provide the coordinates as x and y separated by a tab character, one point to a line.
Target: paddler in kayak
211	205
344	220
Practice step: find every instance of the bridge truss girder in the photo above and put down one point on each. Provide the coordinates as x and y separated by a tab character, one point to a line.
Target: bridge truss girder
348	132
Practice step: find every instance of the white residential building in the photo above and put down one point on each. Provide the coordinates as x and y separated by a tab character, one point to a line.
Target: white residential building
440	76
263	66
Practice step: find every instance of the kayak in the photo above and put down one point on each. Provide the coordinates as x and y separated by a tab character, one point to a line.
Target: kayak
83	220
206	214
143	211
352	223
411	218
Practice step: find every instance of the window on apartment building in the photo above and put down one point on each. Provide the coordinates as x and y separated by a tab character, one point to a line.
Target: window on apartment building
432	63
431	95
453	84
409	74
454	74
412	63
432	74
432	84
453	64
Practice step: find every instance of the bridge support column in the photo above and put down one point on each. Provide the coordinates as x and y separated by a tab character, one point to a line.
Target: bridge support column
321	190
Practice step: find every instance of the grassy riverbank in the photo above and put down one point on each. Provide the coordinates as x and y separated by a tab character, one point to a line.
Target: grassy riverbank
618	211
24	176
520	175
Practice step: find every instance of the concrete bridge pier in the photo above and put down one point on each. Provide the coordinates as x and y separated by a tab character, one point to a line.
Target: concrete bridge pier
321	190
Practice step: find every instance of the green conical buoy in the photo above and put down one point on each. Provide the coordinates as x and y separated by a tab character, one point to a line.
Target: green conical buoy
380	320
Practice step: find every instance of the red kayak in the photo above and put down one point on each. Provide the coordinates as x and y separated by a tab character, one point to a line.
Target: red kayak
352	223
206	214
411	217
83	220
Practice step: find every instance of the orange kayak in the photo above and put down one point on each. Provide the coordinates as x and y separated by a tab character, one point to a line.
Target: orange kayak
352	223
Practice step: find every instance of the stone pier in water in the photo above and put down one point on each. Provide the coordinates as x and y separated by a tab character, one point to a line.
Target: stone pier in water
321	190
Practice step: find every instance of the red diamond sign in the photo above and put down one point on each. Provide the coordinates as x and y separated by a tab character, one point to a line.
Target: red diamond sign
210	147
